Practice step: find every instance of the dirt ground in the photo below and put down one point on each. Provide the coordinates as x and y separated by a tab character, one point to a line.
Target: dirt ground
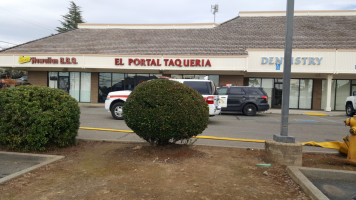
106	170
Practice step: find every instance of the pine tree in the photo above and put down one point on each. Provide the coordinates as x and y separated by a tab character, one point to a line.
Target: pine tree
71	20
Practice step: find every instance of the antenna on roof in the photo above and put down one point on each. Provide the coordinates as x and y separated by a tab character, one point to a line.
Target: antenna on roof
214	9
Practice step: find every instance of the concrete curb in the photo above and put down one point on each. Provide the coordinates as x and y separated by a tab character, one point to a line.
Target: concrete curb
307	186
49	159
300	174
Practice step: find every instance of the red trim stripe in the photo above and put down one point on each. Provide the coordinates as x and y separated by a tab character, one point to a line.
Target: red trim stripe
119	96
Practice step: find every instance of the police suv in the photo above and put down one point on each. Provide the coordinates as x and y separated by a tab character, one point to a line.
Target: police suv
245	99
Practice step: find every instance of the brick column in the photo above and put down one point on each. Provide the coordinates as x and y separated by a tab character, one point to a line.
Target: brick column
317	92
38	78
94	91
231	79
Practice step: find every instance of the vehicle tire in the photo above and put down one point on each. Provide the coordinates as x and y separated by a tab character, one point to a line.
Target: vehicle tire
249	110
116	110
349	110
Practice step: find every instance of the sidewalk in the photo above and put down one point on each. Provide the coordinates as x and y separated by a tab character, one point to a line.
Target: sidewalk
270	111
302	112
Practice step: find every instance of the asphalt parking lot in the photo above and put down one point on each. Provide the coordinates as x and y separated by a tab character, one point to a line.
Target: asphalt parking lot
263	126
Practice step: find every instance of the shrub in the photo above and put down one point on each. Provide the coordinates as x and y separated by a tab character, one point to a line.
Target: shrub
163	111
34	118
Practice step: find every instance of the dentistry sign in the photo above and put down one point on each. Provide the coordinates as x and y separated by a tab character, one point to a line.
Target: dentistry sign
295	61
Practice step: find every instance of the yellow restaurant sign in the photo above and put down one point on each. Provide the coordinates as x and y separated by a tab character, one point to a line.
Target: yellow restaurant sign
24	59
48	60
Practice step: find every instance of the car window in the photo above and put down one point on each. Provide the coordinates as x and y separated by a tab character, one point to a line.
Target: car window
222	91
253	91
203	88
236	91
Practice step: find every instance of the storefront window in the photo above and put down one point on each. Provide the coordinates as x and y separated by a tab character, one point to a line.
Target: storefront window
118	81
294	93
177	76
63	73
77	84
104	86
300	91
155	76
214	78
53	79
342	91
267	85
353	89
188	76
142	78
130	81
85	85
306	93
109	82
255	82
74	85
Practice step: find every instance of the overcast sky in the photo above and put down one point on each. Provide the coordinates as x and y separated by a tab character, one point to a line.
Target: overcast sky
26	20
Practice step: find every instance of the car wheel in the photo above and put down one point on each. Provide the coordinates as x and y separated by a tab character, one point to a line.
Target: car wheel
116	110
249	110
349	110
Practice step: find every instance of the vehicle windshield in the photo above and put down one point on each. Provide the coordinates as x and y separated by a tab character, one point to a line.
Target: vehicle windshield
204	88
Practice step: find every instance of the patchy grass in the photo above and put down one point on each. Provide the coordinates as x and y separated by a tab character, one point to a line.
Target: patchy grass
108	170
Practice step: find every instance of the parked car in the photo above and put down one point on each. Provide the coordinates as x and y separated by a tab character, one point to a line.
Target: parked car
208	90
22	79
115	100
350	105
245	99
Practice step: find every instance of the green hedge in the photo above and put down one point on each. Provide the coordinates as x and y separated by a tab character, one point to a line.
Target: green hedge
34	118
163	111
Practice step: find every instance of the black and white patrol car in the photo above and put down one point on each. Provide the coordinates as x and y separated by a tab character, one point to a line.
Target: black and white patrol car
245	99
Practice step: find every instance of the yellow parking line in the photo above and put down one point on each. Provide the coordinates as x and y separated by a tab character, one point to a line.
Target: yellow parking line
320	114
230	139
102	129
199	137
331	144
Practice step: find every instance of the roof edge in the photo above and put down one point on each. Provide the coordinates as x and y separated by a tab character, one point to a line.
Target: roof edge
298	13
148	26
3	50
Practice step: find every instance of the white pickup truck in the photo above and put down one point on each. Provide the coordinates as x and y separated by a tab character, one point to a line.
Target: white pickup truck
115	100
350	105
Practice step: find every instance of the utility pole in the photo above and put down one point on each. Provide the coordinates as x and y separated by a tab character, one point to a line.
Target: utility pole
283	137
214	9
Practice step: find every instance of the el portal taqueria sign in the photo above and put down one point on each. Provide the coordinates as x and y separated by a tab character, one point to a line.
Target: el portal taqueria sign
163	62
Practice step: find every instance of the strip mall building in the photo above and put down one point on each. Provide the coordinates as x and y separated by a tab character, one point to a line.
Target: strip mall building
248	50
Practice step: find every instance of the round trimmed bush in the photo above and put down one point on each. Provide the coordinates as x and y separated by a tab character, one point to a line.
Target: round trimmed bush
34	118
162	111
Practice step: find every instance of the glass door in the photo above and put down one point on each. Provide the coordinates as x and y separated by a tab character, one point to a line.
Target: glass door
353	90
277	93
63	83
